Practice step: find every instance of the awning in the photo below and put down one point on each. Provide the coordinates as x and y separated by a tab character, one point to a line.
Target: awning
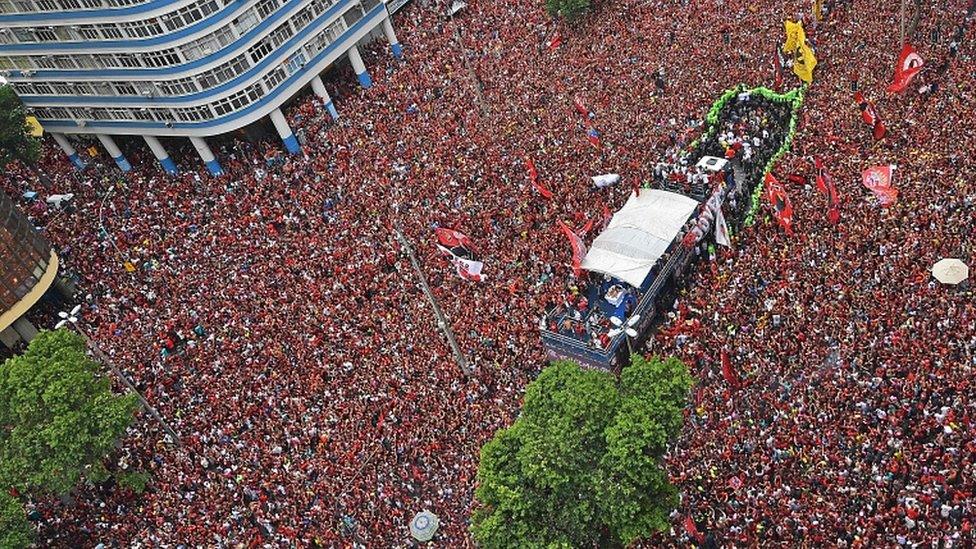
638	235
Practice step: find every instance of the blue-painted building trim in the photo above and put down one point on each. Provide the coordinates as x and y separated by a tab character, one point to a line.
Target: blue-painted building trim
364	80
93	126
330	106
230	50
267	63
21	19
99	46
292	144
76	160
168	165
123	163
214	167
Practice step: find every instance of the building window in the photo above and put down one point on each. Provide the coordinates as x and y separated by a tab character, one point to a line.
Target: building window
162	58
111	32
266	8
246	21
296	62
275	77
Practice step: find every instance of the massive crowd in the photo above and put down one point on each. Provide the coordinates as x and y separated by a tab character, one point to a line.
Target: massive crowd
318	404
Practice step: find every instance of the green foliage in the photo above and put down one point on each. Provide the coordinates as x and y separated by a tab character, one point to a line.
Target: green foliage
134	480
58	416
16	142
570	9
15	531
580	466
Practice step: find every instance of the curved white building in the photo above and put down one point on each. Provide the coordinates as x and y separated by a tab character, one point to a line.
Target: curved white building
191	68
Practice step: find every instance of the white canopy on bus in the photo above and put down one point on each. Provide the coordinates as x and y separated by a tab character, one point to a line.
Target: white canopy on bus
639	234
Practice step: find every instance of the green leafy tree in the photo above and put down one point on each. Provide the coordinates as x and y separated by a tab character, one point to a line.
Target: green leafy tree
58	417
16	142
134	480
15	531
570	9
581	464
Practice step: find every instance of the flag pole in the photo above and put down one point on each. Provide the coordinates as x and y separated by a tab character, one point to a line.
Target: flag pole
902	23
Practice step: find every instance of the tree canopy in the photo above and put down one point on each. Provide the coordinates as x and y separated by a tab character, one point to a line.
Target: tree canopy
581	464
569	9
58	417
15	531
16	143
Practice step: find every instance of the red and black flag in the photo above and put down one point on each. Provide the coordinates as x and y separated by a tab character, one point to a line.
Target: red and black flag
782	208
727	372
822	177
870	116
454	243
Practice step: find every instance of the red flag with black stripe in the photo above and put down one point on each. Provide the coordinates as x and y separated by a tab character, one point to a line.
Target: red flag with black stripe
870	116
782	208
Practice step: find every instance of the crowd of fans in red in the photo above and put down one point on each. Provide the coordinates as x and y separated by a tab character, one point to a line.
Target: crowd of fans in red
318	403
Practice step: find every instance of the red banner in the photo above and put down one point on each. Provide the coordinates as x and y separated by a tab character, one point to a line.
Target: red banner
534	179
579	249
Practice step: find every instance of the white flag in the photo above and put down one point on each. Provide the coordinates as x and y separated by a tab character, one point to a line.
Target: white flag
469	269
721	229
605	180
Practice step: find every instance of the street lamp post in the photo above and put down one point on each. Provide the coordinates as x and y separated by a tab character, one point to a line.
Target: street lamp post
627	328
72	318
442	322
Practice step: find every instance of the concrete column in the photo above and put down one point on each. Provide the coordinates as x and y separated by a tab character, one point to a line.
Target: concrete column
392	39
114	151
68	150
319	88
9	337
280	124
359	67
25	329
208	157
164	160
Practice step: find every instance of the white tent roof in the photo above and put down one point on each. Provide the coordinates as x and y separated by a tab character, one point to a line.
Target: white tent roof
638	235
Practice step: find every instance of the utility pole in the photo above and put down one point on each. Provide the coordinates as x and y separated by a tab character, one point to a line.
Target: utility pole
475	83
441	319
104	359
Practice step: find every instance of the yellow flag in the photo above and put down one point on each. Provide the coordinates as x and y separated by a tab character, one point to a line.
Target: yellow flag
35	127
129	267
92	152
803	63
818	10
795	37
